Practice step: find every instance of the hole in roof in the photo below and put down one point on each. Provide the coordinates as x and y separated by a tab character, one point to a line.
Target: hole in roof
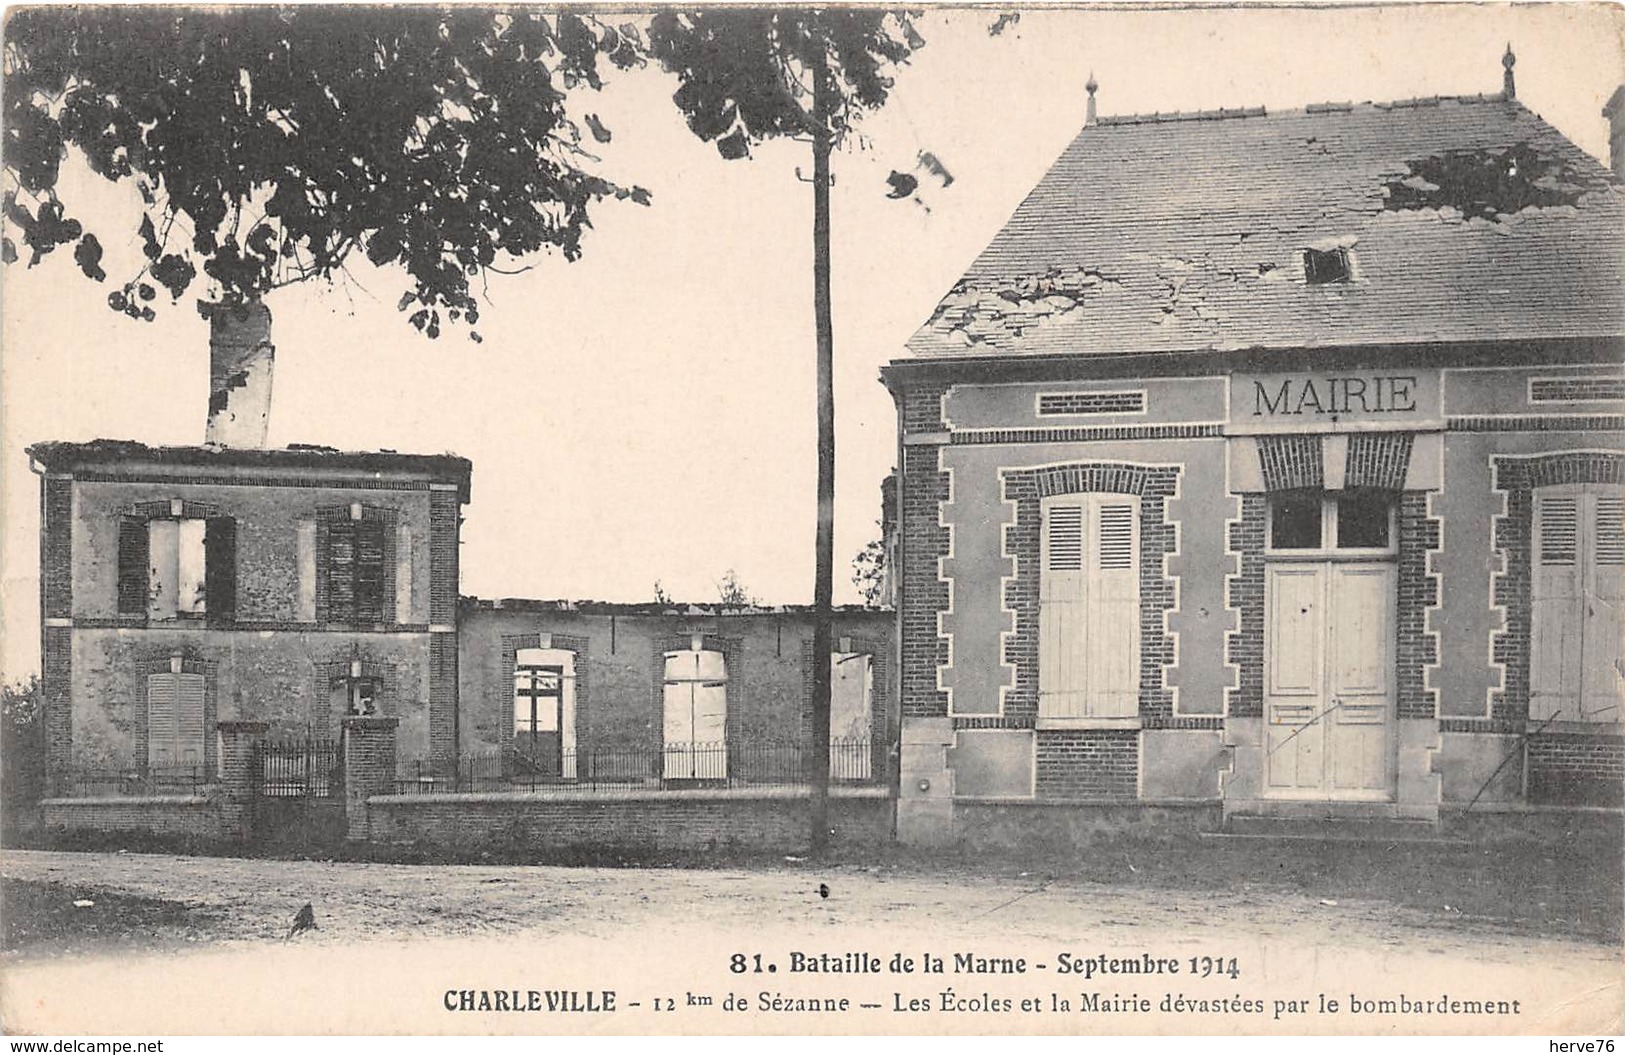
1487	183
1321	266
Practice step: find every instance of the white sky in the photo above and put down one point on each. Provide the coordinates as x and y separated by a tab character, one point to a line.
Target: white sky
647	412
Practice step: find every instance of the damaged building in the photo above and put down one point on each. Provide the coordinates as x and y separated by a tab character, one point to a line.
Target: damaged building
1267	464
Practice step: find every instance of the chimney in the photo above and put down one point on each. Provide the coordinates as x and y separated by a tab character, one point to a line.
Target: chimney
240	359
1615	112
1089	115
1509	88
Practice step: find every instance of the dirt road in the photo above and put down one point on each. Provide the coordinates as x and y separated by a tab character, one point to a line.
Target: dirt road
392	940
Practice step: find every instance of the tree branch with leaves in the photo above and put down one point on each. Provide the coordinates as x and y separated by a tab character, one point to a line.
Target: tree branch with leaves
270	144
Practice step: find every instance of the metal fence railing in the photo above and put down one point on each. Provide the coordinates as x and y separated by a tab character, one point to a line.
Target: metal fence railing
89	783
307	767
624	767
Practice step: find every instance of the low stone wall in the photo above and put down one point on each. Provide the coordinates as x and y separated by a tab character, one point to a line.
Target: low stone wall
197	816
1040	825
737	819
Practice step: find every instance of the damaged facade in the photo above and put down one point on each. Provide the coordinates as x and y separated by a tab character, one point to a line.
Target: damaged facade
237	639
185	587
1270	464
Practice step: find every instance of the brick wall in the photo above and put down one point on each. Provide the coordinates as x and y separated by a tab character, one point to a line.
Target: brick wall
1244	647
56	687
924	593
1377	459
1576	389
1088	763
443	696
1291	462
194	816
1577	769
1418	648
686	821
56	547
444	519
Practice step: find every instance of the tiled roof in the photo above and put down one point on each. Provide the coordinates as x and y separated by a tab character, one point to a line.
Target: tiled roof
1463	219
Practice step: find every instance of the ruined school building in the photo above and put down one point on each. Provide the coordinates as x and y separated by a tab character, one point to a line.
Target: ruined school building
1269	464
187	591
188	586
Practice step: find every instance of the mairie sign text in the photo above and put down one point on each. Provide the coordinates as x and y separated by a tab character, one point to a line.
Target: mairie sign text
1307	400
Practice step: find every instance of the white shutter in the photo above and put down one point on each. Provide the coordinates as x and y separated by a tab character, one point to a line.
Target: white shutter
161	736
1604	673
1063	609
1555	608
188	719
1089	608
1555	604
1114	609
851	687
695	719
710	730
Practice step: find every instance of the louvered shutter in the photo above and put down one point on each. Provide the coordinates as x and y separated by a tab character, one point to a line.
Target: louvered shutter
161	728
369	571
220	569
1114	608
340	566
188	719
1604	674
1063	610
132	566
1555	610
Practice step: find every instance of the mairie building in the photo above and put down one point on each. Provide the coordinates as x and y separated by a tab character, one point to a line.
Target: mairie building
1268	464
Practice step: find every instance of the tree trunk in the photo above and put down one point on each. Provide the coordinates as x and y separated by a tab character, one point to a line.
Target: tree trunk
818	812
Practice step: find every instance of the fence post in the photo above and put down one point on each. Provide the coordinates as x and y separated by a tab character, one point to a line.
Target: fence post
369	767
239	772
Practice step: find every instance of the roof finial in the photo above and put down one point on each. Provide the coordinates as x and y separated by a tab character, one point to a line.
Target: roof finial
1508	88
1090	87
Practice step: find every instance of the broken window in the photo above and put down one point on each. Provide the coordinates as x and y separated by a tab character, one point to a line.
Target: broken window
851	688
178	567
544	706
356	695
1325	265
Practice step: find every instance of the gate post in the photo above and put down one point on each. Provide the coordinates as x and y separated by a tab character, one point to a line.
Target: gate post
369	767
240	773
